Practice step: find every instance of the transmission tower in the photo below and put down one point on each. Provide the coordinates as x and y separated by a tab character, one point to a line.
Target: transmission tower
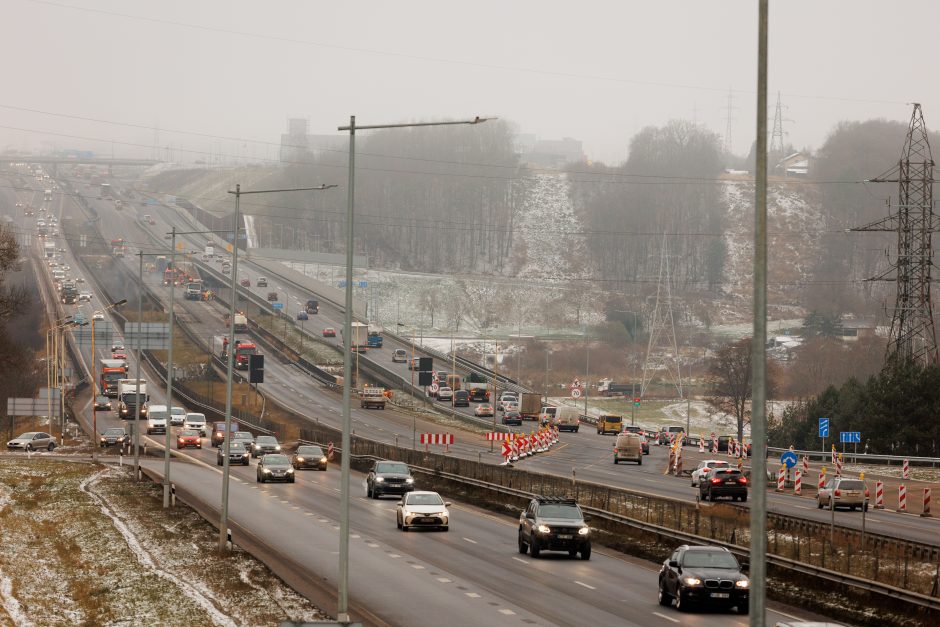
729	121
662	352
776	136
912	336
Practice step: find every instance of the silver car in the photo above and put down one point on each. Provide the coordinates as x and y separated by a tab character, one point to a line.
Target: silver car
423	509
32	441
843	492
177	416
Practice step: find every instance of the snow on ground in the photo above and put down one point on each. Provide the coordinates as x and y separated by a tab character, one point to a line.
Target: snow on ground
546	217
10	605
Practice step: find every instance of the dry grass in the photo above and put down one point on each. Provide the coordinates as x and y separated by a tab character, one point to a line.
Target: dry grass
83	570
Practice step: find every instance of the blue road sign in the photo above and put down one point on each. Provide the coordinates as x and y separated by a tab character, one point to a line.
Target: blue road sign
850	437
789	459
824	427
278	305
342	283
363	284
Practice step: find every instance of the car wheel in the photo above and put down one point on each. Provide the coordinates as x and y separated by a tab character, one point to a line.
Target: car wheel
445	528
50	447
575	430
398	521
572	552
744	498
586	553
681	603
694	485
292	479
404	527
743	609
523	547
29	448
818	504
663	597
616	461
703	496
257	479
639	462
534	549
199	446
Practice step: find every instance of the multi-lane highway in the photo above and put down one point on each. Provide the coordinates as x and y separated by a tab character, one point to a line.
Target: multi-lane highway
468	576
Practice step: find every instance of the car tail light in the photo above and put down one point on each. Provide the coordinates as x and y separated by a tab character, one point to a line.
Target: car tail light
838	492
743	480
716	481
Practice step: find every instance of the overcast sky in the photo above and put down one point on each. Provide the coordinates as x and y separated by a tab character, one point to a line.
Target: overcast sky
598	71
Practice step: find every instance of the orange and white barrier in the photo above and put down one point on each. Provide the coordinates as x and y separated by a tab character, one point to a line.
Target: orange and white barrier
822	478
839	465
902	498
879	495
798	482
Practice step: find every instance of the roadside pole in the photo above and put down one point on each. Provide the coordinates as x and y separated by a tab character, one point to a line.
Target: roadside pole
169	376
140	339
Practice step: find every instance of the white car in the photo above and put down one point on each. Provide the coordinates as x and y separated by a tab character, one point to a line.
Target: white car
704	466
445	394
423	509
84	297
177	416
196	422
97	316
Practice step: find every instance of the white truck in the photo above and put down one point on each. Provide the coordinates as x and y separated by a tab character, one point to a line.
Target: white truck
157	417
372	397
209	253
241	323
130	392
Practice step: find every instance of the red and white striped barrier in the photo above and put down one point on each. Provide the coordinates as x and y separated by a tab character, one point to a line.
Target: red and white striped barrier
839	466
730	448
806	464
902	498
701	444
781	478
879	495
437	438
822	478
906	470
499	436
798	482
926	511
714	446
833	455
329	451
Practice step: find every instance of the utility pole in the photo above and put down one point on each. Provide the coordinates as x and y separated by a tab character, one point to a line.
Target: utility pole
169	375
662	341
912	338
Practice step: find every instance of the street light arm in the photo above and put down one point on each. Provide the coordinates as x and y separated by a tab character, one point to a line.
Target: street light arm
476	120
291	189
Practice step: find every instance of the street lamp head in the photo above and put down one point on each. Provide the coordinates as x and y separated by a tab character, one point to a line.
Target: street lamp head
123	301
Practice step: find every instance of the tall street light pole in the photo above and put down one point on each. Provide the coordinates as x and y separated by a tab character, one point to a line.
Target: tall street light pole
169	374
226	443
342	614
94	380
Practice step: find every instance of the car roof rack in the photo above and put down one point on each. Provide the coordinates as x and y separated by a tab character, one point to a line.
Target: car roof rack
557	499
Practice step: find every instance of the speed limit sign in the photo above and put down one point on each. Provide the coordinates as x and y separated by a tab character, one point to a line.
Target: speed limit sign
433	388
576	393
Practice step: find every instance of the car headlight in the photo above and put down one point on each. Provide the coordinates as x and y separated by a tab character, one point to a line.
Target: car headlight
409	480
322	460
543	529
265	470
245	455
743	583
277	448
379	479
692	581
102	439
583	531
300	460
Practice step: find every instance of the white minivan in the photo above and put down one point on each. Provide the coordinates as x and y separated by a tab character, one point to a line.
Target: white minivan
195	422
567	418
157	416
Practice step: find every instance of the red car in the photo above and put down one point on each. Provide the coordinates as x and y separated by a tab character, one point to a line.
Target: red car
188	438
119	355
329	332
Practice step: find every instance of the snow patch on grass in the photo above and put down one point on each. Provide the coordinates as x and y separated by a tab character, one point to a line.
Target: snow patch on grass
10	605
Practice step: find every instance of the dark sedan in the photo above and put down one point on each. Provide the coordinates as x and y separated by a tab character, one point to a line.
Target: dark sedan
102	403
115	436
238	454
723	482
275	467
309	456
512	418
703	575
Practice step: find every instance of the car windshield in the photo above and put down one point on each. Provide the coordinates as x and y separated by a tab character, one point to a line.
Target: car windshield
27	436
424	499
709	559
195	418
188	434
102	399
395	467
312	451
116	431
276	460
560	511
851	485
612	419
236	446
717	464
266	439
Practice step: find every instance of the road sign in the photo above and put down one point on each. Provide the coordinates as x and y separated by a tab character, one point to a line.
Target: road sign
277	305
434	388
850	437
575	393
363	284
32	407
824	427
789	459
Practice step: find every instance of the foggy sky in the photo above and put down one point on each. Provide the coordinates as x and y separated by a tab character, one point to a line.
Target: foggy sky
598	71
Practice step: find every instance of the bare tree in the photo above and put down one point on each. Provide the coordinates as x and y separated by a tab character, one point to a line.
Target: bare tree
730	375
12	299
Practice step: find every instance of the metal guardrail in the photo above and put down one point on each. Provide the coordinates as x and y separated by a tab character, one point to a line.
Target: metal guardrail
863	458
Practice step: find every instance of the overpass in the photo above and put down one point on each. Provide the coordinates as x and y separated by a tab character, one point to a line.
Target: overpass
76	160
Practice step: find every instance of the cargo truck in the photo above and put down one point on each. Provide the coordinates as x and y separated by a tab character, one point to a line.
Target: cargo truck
111	372
194	290
530	405
372	397
130	393
243	351
241	323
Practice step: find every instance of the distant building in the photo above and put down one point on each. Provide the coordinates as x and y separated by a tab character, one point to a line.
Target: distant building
297	144
794	166
551	153
855	328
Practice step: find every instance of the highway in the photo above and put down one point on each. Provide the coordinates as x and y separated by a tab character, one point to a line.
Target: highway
587	454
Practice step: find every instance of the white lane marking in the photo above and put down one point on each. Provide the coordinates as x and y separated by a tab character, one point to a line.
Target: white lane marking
372	545
472	595
355	536
519	559
444	580
507	612
323	520
588	586
417	566
666	617
308	514
470	541
394	555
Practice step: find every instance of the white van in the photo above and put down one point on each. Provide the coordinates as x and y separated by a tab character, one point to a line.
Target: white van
157	416
567	418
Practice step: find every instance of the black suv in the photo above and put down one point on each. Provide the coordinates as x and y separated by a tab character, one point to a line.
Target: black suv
389	478
723	482
554	524
461	398
706	575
